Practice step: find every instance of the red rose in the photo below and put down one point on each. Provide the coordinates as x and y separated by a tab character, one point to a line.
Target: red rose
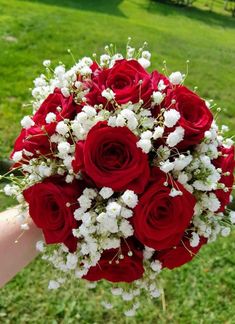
180	254
68	110
94	68
157	77
160	220
47	207
195	118
111	158
127	79
34	140
226	163
128	269
78	162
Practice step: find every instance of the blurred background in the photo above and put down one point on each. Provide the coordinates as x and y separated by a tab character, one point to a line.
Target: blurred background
202	31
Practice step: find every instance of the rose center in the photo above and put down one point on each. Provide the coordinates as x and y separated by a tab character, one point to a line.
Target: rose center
54	207
188	115
120	82
160	214
114	155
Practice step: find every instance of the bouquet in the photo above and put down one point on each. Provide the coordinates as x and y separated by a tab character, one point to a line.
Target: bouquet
125	172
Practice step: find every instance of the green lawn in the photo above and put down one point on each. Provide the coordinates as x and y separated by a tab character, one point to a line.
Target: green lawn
31	31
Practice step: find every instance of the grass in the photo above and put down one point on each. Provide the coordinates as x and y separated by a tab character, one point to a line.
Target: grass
31	31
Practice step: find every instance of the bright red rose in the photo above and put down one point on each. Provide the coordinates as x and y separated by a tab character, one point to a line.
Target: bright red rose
68	110
157	77
94	67
227	164
78	162
128	269
34	140
180	254
128	80
195	118
110	157
160	220
47	207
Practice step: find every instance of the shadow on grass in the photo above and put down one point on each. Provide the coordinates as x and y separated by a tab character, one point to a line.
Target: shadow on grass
205	16
5	166
109	7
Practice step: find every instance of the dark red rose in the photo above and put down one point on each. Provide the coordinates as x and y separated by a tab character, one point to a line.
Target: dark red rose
94	67
68	110
112	159
227	164
180	254
128	269
34	140
157	77
78	162
195	118
160	220
47	207
128	80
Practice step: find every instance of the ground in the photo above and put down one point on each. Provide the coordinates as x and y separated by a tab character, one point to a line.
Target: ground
31	31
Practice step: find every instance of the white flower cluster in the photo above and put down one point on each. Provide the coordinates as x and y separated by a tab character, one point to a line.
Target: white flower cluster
60	78
103	223
103	227
148	283
108	59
